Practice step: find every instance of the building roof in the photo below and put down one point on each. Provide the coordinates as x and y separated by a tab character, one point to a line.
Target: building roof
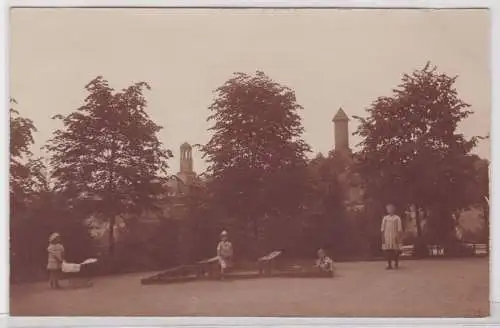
340	116
185	146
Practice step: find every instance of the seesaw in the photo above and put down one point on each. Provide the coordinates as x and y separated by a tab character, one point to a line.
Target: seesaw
208	270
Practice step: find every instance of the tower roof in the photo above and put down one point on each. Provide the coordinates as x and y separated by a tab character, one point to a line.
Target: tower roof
185	146
340	116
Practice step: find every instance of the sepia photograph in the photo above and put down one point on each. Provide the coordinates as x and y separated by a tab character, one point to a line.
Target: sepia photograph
272	162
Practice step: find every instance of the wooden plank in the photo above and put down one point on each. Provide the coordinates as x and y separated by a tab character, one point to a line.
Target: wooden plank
169	280
302	274
178	271
210	260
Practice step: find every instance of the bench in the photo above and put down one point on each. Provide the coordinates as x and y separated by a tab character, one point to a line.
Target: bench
436	250
266	263
464	249
480	249
407	250
477	249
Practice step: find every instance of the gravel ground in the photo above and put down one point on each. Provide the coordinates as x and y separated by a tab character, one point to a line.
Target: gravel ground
431	288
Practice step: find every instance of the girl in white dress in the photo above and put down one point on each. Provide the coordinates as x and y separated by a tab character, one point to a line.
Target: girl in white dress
55	259
391	229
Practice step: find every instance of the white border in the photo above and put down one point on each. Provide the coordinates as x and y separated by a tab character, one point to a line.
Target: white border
493	321
257	3
4	170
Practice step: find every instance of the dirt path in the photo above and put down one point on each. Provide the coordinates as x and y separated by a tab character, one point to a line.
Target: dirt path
450	288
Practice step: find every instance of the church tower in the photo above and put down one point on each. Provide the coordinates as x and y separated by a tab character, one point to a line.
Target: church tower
341	128
186	163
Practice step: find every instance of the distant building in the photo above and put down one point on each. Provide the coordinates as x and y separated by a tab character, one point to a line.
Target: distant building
172	206
352	181
341	132
176	185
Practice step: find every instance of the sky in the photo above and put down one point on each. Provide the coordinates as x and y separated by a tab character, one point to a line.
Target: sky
331	58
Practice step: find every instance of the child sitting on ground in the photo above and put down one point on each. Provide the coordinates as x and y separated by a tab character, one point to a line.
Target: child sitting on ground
324	263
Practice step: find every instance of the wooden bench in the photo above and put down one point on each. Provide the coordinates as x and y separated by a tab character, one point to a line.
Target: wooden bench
480	249
407	250
466	249
266	263
477	249
436	250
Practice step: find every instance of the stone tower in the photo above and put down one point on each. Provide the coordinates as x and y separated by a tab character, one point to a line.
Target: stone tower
186	173
341	127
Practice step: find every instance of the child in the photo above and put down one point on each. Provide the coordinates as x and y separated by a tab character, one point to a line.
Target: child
391	236
55	259
225	253
324	263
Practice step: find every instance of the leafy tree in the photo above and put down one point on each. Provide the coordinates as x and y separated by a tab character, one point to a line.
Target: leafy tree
24	170
478	189
21	135
36	211
199	228
325	204
47	212
411	152
256	155
107	158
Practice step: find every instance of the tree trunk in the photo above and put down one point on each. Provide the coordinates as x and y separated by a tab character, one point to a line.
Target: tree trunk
111	236
255	226
420	245
418	222
112	220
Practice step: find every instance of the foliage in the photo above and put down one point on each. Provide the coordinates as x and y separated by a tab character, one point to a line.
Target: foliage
411	152
25	172
256	155
47	212
479	191
35	209
325	210
21	138
201	227
107	158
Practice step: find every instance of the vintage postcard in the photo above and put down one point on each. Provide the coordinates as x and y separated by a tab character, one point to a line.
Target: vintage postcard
249	162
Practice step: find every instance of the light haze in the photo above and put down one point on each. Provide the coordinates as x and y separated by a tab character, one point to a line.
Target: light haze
331	58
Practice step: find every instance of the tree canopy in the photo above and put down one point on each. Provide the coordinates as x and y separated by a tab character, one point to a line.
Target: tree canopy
256	155
107	158
25	171
325	205
411	152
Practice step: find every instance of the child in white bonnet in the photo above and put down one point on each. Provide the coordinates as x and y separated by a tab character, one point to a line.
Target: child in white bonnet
55	259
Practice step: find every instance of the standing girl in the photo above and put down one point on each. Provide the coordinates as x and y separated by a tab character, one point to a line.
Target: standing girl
55	259
225	253
391	236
